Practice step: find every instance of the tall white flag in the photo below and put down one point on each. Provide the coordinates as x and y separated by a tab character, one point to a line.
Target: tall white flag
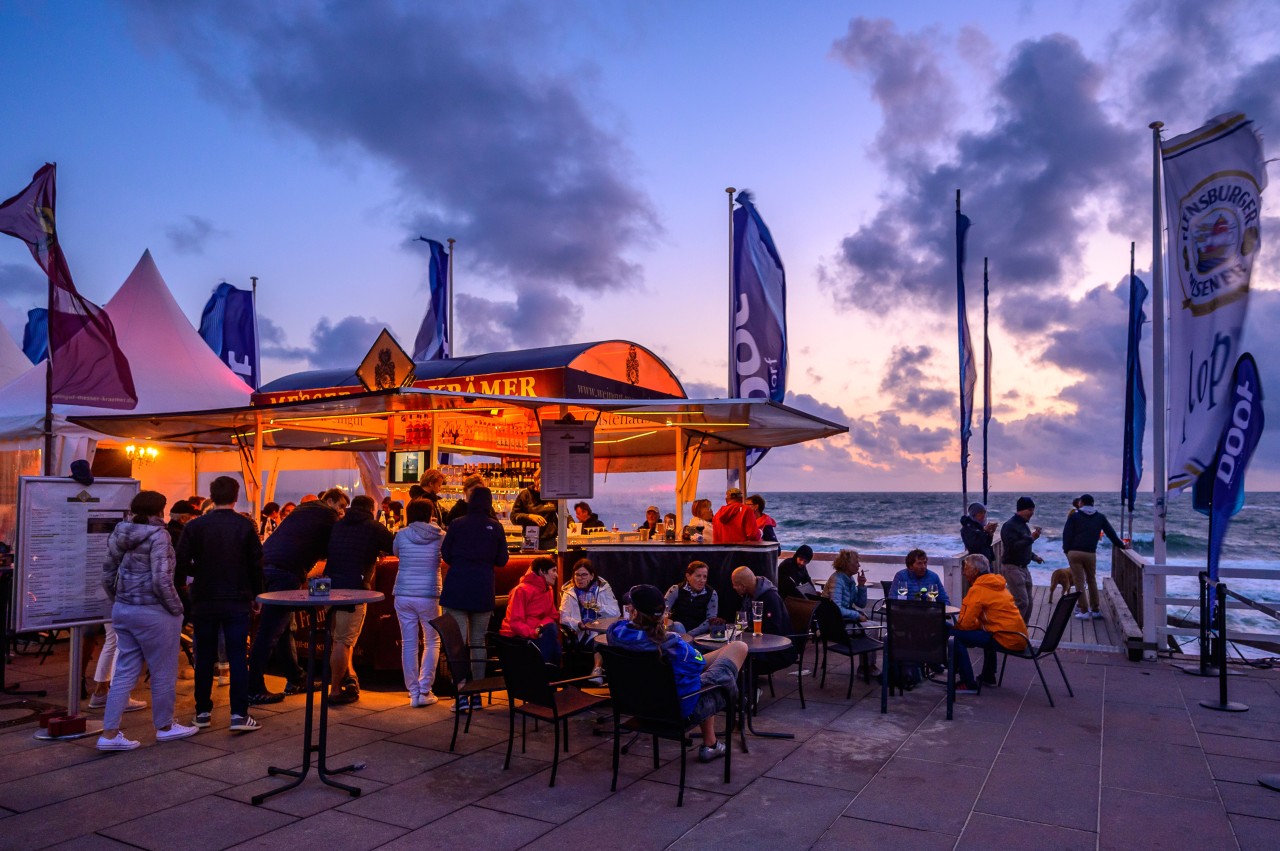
1214	177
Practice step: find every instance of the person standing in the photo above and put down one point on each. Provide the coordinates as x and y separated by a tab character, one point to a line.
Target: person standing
222	552
474	547
767	525
1017	536
270	520
652	517
735	522
355	543
432	481
147	615
701	528
530	509
288	555
417	594
1080	537
977	533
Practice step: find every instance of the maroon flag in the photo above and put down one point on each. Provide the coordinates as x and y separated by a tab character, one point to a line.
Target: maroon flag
88	366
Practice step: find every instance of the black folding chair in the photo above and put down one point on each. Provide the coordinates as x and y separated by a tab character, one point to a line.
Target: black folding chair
528	680
833	637
802	631
457	656
642	686
1048	645
916	633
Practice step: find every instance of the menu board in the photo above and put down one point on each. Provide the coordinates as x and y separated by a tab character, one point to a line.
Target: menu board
568	460
63	527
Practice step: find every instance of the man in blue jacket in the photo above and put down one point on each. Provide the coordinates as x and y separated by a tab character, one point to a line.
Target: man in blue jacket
1080	542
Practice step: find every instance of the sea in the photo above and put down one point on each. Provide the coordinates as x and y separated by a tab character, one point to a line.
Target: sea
898	522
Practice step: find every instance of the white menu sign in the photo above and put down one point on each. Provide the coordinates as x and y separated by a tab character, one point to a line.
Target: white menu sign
568	460
63	527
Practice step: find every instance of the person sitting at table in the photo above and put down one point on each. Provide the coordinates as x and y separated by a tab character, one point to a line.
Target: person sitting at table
531	609
849	586
764	522
775	620
587	520
645	630
793	574
693	602
988	614
585	599
917	579
652	517
701	528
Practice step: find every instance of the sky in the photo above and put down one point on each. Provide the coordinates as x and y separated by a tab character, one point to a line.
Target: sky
579	152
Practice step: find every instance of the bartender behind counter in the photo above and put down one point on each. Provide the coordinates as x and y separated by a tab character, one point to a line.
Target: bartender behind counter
530	509
587	518
652	517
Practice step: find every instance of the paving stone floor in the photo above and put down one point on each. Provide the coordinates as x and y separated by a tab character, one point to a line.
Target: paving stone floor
1132	761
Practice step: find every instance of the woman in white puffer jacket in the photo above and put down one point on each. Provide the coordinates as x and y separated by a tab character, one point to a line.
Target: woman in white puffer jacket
417	593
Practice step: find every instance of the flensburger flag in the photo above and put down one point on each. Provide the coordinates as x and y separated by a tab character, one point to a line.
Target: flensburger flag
229	326
1214	177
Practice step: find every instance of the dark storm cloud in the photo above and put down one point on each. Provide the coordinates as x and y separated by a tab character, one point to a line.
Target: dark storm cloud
1023	179
191	234
909	387
493	141
343	343
272	340
534	319
23	282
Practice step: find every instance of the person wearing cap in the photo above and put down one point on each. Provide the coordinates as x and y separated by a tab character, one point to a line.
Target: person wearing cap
652	517
645	629
1017	536
735	522
976	532
1085	526
793	574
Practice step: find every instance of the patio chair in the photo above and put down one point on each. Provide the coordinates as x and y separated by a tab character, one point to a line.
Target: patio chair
916	633
457	656
642	686
1048	645
533	694
802	630
833	637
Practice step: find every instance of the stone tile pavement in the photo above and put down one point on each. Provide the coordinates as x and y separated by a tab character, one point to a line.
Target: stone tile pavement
1132	761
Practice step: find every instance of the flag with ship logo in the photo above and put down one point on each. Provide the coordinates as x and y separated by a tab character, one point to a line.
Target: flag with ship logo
230	327
87	365
1214	178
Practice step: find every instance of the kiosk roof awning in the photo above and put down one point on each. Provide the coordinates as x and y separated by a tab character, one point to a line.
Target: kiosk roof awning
631	434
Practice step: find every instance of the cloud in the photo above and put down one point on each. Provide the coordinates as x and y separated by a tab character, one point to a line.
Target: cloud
272	340
909	387
343	343
533	319
192	234
493	137
23	282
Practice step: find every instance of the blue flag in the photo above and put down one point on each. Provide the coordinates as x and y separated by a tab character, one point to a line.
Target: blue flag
1135	396
1223	482
35	336
758	313
434	340
968	369
230	327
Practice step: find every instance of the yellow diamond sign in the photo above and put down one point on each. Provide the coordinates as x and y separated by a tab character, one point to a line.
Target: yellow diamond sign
386	367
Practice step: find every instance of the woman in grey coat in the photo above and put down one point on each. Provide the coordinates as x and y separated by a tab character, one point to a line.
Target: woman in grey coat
147	614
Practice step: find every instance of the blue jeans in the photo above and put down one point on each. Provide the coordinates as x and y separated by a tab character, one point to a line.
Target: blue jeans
548	642
966	638
234	627
273	625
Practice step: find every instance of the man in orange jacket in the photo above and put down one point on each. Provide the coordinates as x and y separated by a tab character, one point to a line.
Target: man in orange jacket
988	614
532	612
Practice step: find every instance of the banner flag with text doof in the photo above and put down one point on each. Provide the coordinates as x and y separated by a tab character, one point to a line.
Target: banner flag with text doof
35	335
758	310
1214	177
88	367
1135	397
230	327
434	340
1222	485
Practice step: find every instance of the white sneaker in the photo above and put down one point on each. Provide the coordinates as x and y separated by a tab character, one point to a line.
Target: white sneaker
427	699
176	731
117	743
98	701
1081	616
134	705
597	677
1096	615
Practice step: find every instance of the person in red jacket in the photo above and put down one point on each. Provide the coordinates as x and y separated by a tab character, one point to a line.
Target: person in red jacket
532	612
735	522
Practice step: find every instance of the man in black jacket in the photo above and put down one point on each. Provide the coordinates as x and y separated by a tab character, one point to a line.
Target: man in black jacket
530	509
222	553
354	546
977	533
1080	542
793	574
1017	536
293	549
774	618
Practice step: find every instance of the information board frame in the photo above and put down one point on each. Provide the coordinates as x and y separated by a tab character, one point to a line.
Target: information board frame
568	459
61	520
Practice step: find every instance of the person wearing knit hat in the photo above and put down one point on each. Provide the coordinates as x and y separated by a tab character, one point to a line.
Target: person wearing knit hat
976	532
793	574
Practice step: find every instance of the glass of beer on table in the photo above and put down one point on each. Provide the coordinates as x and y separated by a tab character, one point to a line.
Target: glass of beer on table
757	617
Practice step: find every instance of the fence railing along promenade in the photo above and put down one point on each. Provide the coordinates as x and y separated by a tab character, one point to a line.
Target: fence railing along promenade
1143	587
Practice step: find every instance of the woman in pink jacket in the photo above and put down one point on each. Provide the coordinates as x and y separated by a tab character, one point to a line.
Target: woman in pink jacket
532	612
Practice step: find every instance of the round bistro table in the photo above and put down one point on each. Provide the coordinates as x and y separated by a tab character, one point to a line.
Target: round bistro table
756	645
302	599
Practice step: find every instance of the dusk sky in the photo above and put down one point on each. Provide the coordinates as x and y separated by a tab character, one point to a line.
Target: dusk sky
579	152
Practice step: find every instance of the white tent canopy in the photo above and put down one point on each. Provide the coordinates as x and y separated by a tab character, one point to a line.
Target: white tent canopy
173	368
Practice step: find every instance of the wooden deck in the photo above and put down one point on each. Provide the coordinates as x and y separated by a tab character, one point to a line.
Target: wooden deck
1100	634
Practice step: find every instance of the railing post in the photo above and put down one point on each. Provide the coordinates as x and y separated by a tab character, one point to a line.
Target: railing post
1151	617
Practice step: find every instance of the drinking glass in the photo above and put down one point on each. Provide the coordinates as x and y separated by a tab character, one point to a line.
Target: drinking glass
933	593
757	617
741	623
902	592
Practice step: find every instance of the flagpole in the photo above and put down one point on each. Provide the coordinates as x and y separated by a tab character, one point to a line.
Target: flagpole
449	337
48	373
1159	427
986	380
733	347
1126	485
964	467
257	341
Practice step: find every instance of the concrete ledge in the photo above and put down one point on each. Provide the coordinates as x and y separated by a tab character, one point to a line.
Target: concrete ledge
1120	615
